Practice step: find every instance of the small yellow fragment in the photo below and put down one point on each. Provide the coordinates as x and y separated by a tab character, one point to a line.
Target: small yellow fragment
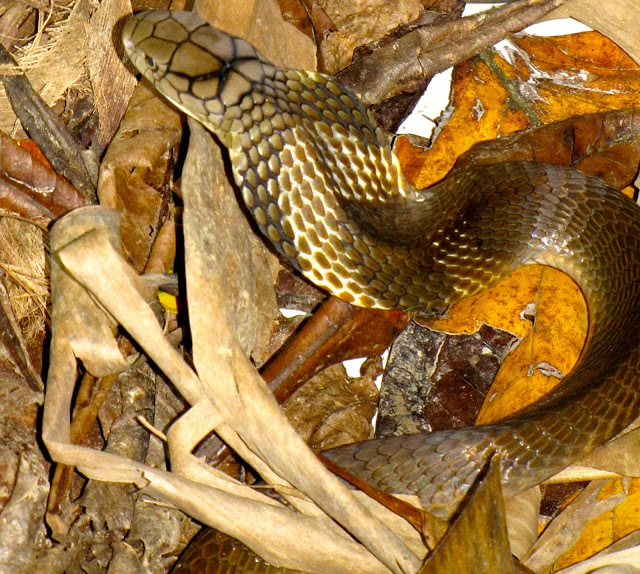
169	302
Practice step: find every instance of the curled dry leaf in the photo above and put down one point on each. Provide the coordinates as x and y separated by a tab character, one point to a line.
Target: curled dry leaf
80	324
94	261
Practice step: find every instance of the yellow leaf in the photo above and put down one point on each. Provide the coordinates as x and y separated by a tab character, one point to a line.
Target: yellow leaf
169	302
546	354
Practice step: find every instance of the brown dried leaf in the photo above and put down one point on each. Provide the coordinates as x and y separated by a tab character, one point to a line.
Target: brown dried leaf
260	23
308	16
621	557
336	332
360	23
94	261
137	169
333	409
163	251
49	132
111	507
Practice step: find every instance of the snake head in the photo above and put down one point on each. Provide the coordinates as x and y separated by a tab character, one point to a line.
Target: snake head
202	70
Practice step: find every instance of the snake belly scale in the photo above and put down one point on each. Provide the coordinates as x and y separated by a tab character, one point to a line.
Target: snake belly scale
326	190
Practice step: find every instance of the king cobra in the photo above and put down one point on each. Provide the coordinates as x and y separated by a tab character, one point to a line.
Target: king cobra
324	187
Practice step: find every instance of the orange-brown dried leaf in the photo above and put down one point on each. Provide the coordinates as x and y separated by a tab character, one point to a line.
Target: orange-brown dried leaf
606	145
559	77
568	526
610	525
30	188
546	354
500	306
617	23
553	345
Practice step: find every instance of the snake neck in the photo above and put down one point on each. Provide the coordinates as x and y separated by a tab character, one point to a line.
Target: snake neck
323	186
313	168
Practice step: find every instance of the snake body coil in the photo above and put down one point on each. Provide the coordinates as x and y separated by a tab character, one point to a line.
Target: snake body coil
326	190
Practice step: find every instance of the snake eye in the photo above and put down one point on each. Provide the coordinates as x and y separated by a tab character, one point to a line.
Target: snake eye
151	63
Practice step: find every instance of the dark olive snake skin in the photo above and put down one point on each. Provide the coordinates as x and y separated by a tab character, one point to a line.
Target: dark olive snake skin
326	190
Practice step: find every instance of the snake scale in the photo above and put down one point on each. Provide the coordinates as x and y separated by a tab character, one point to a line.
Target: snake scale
326	190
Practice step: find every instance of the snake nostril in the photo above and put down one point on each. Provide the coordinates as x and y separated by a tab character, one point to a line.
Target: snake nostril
150	62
